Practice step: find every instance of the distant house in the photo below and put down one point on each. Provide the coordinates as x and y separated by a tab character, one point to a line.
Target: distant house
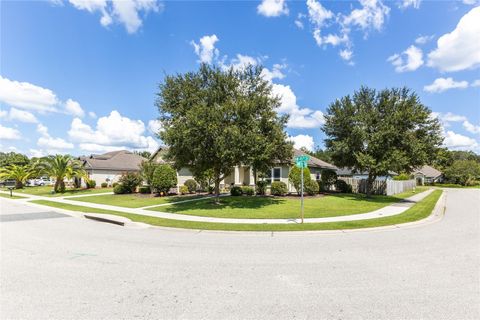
427	174
108	167
243	174
350	173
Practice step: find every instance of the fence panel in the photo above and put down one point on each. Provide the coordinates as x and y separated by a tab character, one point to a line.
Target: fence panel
385	187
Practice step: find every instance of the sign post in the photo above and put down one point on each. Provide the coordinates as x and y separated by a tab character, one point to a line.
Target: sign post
301	162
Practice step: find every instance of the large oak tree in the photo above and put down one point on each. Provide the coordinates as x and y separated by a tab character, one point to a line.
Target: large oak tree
215	119
381	131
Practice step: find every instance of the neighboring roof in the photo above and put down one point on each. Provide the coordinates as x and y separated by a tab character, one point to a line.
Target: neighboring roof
121	160
349	172
158	155
313	162
427	171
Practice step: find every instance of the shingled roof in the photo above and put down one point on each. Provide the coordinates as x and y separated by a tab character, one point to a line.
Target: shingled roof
427	171
121	160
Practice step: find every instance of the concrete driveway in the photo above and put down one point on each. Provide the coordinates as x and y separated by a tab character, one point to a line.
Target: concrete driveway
59	267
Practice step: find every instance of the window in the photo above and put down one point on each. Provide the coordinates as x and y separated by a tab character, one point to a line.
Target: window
277	173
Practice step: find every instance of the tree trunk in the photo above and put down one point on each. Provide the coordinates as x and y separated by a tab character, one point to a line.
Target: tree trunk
217	190
59	185
370	181
18	184
255	179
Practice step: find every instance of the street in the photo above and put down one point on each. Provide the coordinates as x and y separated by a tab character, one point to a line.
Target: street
54	266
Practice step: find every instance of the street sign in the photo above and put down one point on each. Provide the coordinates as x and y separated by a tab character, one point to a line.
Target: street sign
301	161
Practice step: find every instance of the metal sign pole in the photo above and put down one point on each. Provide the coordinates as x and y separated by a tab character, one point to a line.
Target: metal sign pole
302	196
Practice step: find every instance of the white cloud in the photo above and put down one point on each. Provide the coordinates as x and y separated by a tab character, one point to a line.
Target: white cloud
275	73
27	96
73	107
346	54
241	61
317	13
92	114
299	24
126	12
372	15
457	141
470	127
22	116
331	39
459	49
154	126
470	2
113	131
409	3
272	8
303	141
451	117
424	39
7	133
475	83
410	59
48	142
205	49
442	84
299	117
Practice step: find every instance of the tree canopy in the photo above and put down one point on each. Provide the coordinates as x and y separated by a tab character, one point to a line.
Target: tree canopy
381	131
13	158
215	119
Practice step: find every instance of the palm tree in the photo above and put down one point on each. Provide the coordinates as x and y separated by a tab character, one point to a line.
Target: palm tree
19	173
61	167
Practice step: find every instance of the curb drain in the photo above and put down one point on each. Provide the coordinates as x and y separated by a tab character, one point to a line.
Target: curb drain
104	220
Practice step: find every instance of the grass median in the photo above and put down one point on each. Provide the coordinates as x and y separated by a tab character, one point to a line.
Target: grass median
5	195
47	191
419	211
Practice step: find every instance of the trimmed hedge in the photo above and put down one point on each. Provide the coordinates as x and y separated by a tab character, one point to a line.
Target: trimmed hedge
249	191
278	188
144	189
236	191
104	185
343	187
119	189
191	185
261	187
311	187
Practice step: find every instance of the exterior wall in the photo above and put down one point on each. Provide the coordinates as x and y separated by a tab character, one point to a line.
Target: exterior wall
101	176
183	175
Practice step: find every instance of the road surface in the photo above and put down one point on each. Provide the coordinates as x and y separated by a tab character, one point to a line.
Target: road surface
57	267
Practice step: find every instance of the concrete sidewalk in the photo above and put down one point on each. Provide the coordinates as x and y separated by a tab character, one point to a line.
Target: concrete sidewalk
387	211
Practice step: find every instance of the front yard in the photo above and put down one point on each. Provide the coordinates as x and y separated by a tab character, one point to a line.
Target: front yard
277	208
134	200
46	191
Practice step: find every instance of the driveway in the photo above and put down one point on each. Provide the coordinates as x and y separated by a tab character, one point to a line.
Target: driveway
62	267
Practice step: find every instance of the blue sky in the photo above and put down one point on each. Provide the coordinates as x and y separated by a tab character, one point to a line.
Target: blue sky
80	77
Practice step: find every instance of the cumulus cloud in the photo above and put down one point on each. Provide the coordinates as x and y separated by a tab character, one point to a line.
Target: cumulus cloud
27	96
154	126
459	49
49	142
409	3
7	133
92	114
458	141
470	127
409	60
302	141
112	132
476	83
275	73
73	107
126	12
424	39
205	49
317	13
443	84
272	8
371	15
347	55
20	115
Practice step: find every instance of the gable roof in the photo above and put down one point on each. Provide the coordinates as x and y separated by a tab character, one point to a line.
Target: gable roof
312	162
427	171
121	160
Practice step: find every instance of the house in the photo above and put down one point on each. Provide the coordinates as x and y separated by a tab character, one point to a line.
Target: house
350	173
243	174
108	167
427	175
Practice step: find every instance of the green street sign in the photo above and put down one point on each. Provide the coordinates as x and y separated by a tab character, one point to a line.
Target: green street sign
301	161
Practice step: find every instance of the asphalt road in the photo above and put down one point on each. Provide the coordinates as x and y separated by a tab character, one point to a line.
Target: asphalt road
59	267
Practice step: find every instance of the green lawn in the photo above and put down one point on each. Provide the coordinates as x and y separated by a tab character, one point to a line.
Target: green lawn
5	195
275	208
134	200
46	191
452	185
419	211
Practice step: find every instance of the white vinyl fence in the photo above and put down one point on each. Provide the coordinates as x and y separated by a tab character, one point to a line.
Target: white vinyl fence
385	187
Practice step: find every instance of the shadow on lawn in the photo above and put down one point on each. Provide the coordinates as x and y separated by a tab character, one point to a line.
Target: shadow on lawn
229	202
372	199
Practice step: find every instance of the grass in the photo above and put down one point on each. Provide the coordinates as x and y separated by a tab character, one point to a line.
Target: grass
453	185
133	200
276	208
5	195
46	191
419	211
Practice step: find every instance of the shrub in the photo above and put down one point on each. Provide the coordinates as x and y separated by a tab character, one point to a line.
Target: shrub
261	187
329	177
401	177
114	184
249	191
130	181
184	190
210	189
191	185
104	184
119	189
295	177
91	184
343	187
144	189
164	178
278	188
236	191
311	187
